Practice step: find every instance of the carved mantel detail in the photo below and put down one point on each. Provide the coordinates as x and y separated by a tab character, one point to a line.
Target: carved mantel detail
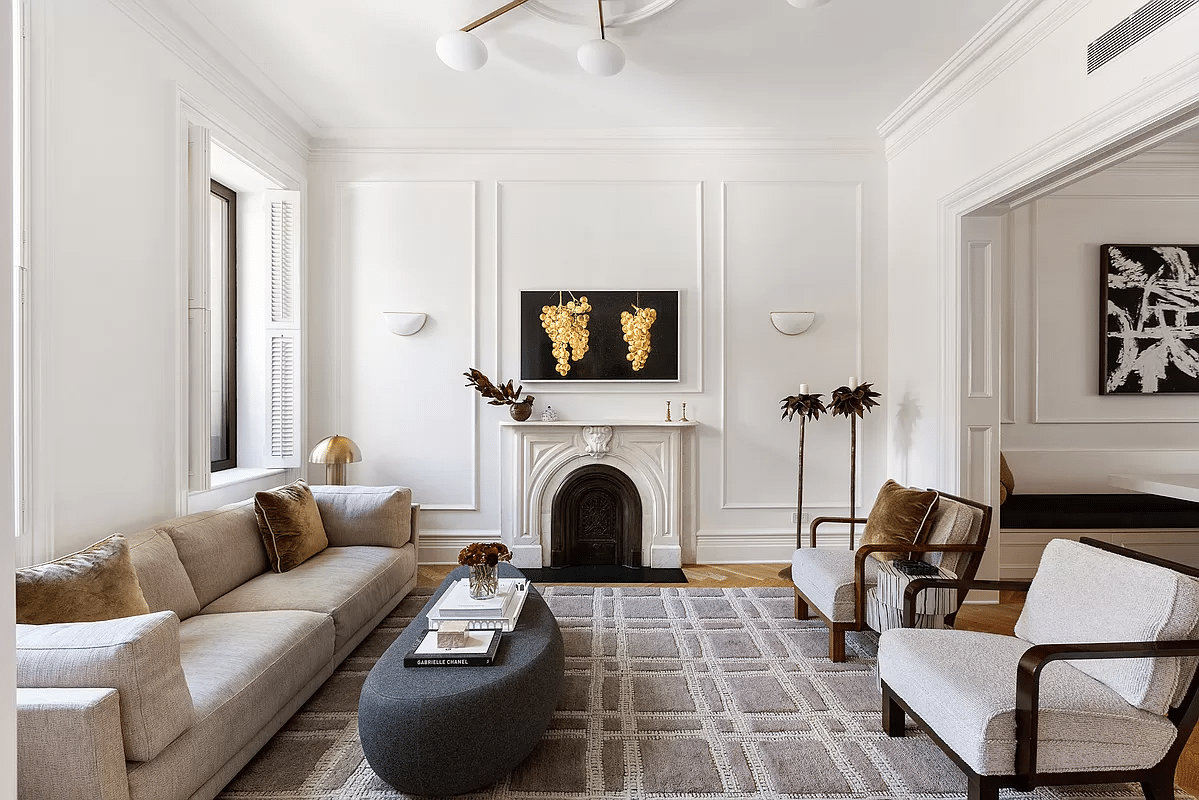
598	439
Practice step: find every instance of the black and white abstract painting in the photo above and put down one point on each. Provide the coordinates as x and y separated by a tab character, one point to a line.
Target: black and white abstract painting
1150	301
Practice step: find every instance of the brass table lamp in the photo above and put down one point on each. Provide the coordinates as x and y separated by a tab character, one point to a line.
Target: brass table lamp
335	452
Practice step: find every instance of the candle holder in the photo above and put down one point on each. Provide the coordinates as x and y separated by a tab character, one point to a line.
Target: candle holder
808	406
668	419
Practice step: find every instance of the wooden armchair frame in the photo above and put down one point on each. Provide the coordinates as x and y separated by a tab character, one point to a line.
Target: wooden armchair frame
1157	782
837	630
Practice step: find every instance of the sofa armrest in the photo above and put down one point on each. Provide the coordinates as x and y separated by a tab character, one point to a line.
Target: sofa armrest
378	516
69	745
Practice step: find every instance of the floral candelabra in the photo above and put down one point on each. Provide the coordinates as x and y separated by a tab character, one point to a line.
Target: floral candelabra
853	403
483	558
502	395
809	407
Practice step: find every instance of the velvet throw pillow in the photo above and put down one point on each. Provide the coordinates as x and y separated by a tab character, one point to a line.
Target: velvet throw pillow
290	524
94	584
898	517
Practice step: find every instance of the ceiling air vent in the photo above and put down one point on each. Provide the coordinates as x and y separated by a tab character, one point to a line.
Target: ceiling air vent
1133	29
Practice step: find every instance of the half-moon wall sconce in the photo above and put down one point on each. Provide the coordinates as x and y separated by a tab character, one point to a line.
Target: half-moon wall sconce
404	323
792	323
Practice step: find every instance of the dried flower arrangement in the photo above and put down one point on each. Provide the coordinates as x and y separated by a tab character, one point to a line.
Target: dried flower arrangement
502	395
490	553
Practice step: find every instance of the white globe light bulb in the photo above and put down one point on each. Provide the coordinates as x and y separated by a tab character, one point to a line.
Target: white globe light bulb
601	57
807	3
462	51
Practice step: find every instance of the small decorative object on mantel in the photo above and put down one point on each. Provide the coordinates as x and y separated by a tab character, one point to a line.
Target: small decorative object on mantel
483	558
502	395
809	407
853	401
668	419
549	415
683	416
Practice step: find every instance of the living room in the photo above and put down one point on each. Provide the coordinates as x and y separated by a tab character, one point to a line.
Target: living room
426	190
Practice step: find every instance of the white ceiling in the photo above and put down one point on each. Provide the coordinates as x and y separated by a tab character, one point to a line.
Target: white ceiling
838	70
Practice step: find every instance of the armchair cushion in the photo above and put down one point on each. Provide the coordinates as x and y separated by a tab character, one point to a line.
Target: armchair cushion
96	583
952	522
826	578
1076	598
962	684
897	517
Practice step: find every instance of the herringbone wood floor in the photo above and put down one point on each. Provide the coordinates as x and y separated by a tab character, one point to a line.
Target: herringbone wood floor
991	618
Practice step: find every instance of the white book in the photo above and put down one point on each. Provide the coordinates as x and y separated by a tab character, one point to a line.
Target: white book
505	620
457	599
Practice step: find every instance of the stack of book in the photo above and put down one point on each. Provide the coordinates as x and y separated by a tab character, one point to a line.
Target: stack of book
486	620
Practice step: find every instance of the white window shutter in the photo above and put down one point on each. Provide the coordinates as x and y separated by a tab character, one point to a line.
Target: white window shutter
283	331
199	448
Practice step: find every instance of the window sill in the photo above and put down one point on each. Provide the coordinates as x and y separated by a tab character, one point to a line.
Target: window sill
232	477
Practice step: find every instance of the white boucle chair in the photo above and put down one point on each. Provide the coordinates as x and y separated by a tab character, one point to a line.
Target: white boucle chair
1098	684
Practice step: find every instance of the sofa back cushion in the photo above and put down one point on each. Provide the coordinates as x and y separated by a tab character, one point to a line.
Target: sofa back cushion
290	525
165	583
365	515
137	656
95	583
1083	594
220	549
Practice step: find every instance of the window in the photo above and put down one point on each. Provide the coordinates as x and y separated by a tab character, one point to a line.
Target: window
222	299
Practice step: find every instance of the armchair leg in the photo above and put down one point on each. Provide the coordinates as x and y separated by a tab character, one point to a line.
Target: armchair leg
801	607
982	788
1159	787
836	643
893	715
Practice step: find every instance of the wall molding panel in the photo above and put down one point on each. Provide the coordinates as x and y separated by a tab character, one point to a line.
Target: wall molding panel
980	327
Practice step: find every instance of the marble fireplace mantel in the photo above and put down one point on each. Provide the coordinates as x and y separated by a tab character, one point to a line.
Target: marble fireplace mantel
659	457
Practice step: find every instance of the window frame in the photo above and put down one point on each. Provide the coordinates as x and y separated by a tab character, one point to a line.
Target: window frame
229	334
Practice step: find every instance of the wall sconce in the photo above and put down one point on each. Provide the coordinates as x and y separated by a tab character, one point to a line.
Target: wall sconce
335	452
792	323
404	323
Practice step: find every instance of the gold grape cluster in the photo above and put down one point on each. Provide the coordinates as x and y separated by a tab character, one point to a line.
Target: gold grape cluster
636	333
567	328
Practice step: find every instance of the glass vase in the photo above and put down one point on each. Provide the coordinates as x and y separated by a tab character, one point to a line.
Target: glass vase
484	581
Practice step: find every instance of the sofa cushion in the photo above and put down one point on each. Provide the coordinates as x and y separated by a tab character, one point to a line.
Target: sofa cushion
897	517
826	576
350	584
963	685
365	515
244	669
290	524
137	656
165	583
1084	594
220	549
95	583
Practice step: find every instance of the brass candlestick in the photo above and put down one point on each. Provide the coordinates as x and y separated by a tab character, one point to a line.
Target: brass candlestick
668	419
683	418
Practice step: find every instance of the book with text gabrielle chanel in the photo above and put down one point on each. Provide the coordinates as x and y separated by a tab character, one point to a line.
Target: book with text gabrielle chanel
479	651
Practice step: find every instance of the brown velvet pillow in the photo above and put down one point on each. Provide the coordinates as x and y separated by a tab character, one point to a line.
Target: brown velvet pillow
897	517
290	524
95	584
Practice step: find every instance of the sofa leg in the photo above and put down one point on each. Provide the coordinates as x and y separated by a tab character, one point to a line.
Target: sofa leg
982	788
836	643
801	607
893	715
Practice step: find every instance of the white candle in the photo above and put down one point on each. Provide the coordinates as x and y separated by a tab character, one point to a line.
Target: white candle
803	388
853	382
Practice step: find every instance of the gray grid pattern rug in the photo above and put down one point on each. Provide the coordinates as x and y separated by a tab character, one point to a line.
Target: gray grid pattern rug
669	693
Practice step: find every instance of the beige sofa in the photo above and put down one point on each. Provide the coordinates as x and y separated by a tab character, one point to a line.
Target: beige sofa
170	705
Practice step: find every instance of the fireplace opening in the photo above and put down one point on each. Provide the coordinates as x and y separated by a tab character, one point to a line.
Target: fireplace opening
596	519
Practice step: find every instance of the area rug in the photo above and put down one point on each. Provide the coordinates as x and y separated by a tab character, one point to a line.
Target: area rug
669	693
595	574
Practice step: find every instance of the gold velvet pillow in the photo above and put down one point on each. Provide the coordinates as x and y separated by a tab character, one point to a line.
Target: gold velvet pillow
290	524
95	584
897	517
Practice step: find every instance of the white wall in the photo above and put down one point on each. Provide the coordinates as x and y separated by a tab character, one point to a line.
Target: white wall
459	232
1064	436
1015	108
106	300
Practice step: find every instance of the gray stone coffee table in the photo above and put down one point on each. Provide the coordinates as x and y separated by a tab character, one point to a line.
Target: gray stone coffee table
449	730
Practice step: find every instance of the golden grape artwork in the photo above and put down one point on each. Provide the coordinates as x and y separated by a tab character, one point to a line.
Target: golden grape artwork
566	325
636	332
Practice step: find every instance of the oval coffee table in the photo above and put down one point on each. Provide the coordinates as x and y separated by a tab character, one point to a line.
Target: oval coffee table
449	730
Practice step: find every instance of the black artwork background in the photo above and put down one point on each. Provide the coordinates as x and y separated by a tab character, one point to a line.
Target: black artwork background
1142	288
607	350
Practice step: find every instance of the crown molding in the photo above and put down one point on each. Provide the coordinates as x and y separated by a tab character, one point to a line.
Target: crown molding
1022	24
173	34
332	144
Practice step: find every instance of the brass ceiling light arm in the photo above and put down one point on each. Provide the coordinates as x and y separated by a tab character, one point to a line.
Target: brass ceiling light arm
601	15
483	20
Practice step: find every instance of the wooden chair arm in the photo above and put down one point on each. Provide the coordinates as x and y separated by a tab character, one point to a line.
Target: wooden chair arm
918	585
1028	683
863	552
822	520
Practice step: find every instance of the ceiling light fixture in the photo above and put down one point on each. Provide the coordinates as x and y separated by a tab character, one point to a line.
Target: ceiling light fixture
462	50
599	56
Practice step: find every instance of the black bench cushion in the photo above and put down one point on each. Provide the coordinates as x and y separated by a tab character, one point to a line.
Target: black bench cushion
1097	511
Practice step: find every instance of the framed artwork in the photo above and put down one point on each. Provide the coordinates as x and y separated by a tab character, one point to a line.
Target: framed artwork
580	335
1149	301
